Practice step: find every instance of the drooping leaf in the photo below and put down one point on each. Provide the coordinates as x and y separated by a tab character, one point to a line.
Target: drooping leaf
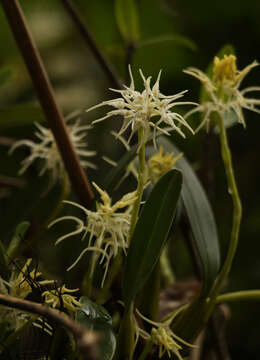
20	231
175	39
151	233
201	218
127	20
95	317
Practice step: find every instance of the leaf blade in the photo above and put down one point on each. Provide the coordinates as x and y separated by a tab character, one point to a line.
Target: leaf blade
201	218
155	221
127	20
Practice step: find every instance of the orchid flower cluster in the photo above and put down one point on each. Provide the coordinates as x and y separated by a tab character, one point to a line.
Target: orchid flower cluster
107	229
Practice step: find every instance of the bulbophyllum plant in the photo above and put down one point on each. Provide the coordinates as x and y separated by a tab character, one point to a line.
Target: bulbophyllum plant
125	242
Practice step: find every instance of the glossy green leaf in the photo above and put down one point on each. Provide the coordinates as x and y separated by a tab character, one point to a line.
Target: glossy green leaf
95	317
20	231
174	39
151	232
127	20
201	218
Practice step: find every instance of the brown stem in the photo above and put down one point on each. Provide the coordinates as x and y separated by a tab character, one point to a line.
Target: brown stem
106	66
87	340
39	76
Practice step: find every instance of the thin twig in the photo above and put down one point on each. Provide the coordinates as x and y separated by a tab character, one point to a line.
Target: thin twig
104	63
39	76
87	340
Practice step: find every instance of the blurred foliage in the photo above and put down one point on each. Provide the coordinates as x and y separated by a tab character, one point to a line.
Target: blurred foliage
173	35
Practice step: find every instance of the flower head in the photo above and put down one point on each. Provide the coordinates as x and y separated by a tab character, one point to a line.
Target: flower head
162	336
46	150
159	164
222	88
137	109
19	285
61	299
107	227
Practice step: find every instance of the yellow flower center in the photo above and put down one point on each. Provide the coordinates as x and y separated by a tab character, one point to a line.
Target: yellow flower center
224	70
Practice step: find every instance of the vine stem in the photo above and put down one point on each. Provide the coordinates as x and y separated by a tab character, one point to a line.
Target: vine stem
40	79
237	215
87	340
140	186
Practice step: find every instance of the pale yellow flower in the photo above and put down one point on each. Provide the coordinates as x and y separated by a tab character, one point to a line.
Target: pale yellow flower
61	299
137	109
159	164
107	227
224	95
162	336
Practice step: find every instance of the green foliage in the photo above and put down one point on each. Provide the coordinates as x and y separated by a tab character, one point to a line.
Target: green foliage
127	20
151	233
201	219
95	317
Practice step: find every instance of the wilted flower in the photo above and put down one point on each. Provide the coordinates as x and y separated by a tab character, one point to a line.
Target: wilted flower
224	96
108	226
137	109
46	150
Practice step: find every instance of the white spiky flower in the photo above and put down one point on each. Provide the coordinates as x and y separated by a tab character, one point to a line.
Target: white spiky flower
46	150
223	93
137	109
107	227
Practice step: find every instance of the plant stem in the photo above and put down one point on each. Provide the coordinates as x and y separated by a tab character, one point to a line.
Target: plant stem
87	340
237	214
40	79
105	65
239	296
140	186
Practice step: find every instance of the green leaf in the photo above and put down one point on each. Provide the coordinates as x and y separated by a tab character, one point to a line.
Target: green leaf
5	74
20	231
95	317
201	218
175	39
127	20
3	260
150	234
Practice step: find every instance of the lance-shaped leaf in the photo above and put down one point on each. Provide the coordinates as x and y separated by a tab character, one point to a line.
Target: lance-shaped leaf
201	218
95	317
127	20
150	234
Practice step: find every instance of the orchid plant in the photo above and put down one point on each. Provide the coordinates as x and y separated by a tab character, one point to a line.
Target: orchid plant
125	261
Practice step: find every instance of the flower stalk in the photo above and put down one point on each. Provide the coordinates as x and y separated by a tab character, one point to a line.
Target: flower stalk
237	214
